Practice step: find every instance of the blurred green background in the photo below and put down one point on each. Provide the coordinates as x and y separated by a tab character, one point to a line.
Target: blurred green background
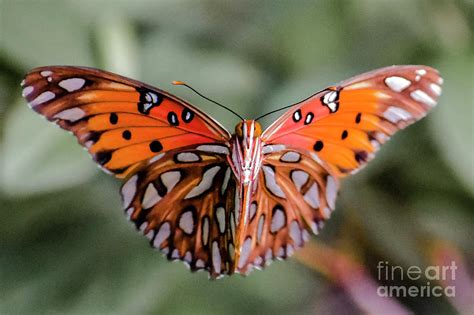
65	245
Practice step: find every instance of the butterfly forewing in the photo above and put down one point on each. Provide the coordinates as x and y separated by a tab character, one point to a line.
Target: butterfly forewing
123	123
346	124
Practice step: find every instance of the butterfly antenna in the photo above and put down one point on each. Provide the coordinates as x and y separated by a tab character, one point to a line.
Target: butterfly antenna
207	98
285	107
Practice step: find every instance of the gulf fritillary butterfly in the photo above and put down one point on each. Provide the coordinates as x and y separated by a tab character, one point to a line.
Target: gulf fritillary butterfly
229	202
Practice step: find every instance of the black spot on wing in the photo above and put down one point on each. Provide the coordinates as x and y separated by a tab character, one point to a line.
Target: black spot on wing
187	115
318	146
173	119
148	100
156	146
361	156
344	134
103	157
127	135
113	118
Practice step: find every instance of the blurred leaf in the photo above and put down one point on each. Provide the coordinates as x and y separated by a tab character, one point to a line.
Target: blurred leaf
39	157
39	33
453	118
117	44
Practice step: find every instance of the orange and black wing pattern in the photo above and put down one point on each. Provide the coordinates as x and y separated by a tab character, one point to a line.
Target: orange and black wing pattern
295	194
185	203
123	123
346	124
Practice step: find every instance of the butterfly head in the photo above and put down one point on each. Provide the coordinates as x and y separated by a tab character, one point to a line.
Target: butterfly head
248	129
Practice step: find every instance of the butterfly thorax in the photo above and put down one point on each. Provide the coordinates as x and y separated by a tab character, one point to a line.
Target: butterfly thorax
246	148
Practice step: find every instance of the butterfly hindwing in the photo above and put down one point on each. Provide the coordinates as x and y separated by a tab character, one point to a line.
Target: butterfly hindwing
295	194
122	122
184	203
346	124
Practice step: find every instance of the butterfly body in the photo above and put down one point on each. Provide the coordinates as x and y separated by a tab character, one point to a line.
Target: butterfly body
220	202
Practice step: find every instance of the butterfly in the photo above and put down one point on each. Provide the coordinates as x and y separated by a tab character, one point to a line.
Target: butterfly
222	202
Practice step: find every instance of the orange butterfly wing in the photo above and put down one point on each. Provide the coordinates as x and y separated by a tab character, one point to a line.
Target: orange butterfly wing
346	124
184	202
328	136
123	123
295	194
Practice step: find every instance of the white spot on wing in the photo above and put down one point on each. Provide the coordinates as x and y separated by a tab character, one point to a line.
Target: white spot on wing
205	183
186	222
71	114
395	114
163	233
150	235
188	257
72	84
420	96
226	180
291	157
397	84
143	227
129	212
295	233
200	263
245	252
170	179
43	98
220	214
331	192
326	212
175	254
216	257
214	149
205	231
187	157
261	221
271	183
258	262
268	257
46	73
253	210
278	220
27	91
329	100
420	72
299	178
273	148
128	190
312	196
305	236
314	227
435	88
151	197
